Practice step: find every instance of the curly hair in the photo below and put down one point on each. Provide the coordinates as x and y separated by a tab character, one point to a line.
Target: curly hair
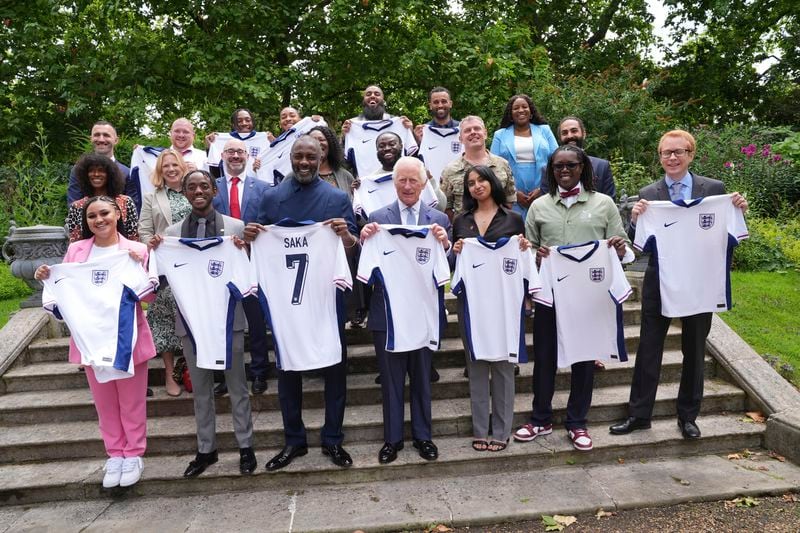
115	181
587	174
335	151
536	117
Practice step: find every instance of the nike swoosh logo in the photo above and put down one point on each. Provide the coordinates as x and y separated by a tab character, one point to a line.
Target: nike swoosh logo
59	279
372	191
365	141
431	147
476	266
565	277
177	265
389	252
671	223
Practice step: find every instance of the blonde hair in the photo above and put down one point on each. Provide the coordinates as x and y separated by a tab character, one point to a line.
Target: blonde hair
681	134
157	179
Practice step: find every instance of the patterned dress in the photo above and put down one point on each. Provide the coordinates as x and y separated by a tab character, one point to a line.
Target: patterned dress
161	313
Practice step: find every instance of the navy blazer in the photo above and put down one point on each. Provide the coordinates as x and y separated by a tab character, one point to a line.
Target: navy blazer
254	191
603	180
390	214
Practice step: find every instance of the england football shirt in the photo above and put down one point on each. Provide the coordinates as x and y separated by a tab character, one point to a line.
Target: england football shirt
276	161
412	266
302	271
143	164
439	146
587	285
256	142
492	279
359	143
208	278
97	300
377	190
693	242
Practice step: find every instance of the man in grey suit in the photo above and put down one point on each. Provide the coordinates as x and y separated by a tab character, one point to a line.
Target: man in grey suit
676	151
200	188
410	178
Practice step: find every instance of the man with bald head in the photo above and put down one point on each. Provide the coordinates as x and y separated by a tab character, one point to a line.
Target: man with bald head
301	196
239	196
182	136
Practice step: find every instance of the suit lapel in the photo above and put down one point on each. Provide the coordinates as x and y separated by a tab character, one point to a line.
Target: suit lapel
185	228
163	204
219	222
222	190
248	186
698	187
662	192
394	214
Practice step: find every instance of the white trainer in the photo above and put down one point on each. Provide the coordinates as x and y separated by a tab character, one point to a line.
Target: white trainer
131	471
113	471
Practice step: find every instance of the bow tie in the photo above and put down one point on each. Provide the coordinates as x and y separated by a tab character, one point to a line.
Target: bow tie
575	191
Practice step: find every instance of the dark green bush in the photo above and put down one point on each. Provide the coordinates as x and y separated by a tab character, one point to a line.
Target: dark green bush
11	287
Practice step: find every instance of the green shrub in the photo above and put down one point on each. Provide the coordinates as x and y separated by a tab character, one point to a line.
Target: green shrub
629	177
11	287
789	147
772	246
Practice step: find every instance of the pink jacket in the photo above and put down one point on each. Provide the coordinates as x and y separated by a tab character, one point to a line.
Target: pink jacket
78	252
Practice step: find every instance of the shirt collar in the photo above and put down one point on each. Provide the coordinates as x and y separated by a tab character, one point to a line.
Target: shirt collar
403	208
581	197
686	180
450	123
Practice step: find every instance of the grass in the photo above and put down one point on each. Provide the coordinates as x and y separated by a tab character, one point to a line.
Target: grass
764	314
12	292
7	307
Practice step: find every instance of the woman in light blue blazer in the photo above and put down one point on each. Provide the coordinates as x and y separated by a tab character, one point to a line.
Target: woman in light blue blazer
526	142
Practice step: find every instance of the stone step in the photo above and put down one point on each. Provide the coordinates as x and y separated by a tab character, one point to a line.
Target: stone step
48	440
35	407
80	479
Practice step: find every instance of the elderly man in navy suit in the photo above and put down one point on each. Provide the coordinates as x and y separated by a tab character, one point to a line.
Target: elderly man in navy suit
239	196
572	131
410	179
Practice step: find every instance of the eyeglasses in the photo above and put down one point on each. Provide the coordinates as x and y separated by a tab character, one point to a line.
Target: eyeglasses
561	166
233	151
680	152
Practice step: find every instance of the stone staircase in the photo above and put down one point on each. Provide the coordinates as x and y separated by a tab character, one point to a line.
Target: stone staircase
51	451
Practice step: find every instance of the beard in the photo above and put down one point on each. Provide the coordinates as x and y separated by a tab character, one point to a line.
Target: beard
305	180
577	140
374	113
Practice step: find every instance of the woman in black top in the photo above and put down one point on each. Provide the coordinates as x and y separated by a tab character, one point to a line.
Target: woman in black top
485	216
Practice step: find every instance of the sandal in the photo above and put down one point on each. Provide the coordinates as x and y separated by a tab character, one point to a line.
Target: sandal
480	445
497	446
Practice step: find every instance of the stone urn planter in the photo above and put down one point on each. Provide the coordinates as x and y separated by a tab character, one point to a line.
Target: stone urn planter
27	248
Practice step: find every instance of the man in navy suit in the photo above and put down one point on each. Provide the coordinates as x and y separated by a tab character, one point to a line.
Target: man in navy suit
572	131
409	178
239	196
104	139
676	151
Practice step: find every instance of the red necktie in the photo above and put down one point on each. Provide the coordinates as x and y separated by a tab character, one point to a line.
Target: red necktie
572	192
234	200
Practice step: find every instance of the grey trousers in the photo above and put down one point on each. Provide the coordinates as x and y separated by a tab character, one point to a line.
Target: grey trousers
203	387
502	392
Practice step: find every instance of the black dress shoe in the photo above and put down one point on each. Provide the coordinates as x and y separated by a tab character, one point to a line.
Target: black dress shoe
434	375
285	457
259	385
427	449
221	389
629	424
378	379
247	461
689	430
200	463
338	455
389	452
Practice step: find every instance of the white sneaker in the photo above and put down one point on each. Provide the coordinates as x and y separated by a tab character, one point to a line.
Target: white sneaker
113	471
131	471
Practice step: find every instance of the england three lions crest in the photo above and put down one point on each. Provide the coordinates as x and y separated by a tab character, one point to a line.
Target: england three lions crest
99	277
706	220
597	274
423	255
509	265
215	268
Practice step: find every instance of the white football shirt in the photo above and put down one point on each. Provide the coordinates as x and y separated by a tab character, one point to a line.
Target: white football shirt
587	285
377	190
97	300
439	146
256	142
276	162
302	271
359	143
208	278
693	243
492	279
143	164
412	266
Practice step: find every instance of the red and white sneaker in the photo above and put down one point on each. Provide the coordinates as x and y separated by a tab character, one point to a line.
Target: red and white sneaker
580	439
528	432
